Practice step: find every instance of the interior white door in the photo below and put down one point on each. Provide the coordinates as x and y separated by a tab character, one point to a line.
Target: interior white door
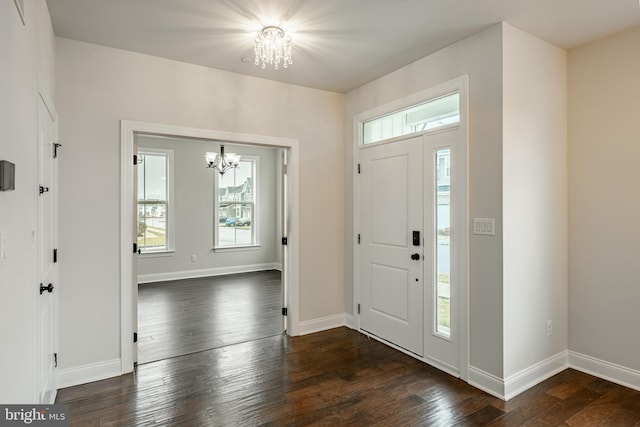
134	264
391	265
47	273
284	227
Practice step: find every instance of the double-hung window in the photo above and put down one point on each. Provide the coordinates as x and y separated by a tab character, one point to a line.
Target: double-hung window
155	219
236	210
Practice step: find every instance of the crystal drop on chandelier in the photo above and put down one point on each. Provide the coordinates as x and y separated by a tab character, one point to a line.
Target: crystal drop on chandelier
273	47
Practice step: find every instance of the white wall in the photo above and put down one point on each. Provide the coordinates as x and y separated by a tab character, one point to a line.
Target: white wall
534	159
194	216
479	56
26	54
97	87
604	200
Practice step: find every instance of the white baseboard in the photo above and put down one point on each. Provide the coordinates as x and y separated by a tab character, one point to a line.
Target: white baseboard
486	382
606	370
206	272
349	321
535	374
515	384
88	373
324	323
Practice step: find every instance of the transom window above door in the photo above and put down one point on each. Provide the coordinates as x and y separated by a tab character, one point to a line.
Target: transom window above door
428	115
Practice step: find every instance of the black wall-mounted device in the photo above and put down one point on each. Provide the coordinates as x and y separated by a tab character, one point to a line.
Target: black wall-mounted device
7	175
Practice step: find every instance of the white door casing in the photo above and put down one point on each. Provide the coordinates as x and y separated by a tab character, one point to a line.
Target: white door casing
47	270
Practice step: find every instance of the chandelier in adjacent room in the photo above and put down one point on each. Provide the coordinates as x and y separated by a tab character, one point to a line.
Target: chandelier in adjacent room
273	47
222	162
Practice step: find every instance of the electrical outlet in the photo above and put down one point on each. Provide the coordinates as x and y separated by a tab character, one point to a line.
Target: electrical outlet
549	328
194	258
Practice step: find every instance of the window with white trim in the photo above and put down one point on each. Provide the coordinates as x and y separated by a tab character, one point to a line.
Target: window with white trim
155	228
435	113
236	208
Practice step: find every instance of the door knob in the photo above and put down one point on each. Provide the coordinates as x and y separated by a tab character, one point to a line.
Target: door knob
415	257
48	288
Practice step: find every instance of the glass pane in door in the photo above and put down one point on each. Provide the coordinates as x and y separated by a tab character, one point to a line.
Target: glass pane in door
443	242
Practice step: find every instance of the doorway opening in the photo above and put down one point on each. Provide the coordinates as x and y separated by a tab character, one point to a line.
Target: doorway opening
209	246
287	233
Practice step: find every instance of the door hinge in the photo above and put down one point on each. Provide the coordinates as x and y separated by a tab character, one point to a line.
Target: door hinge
55	255
55	150
358	238
358	167
135	248
135	337
358	308
285	312
55	360
285	241
135	160
284	169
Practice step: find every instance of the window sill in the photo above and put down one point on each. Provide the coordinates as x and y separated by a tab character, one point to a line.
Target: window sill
236	248
157	254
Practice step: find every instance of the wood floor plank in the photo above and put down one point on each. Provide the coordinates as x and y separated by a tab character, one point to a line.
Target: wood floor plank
186	316
332	378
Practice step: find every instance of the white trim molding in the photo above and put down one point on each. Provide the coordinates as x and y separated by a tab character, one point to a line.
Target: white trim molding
606	370
486	382
519	382
535	374
205	272
325	323
88	373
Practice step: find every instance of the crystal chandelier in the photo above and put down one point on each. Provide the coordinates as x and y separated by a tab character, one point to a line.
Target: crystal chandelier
222	162
273	47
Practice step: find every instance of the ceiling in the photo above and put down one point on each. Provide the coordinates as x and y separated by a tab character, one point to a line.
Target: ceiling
339	45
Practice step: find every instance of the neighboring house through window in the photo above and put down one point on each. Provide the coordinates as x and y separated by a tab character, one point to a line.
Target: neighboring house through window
236	206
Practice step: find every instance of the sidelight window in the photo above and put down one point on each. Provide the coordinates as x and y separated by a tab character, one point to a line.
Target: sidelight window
443	242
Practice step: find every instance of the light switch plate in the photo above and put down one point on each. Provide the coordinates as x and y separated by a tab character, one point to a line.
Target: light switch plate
484	226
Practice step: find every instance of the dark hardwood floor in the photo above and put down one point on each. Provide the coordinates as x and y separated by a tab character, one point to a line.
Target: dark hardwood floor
333	378
185	316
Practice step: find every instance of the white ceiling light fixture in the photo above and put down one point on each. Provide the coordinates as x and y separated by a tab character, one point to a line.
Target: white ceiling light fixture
273	47
222	162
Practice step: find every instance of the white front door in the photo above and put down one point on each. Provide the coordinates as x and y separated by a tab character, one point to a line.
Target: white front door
412	251
391	265
47	271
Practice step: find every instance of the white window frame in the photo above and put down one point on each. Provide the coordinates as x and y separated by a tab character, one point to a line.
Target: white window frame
217	247
170	220
380	120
